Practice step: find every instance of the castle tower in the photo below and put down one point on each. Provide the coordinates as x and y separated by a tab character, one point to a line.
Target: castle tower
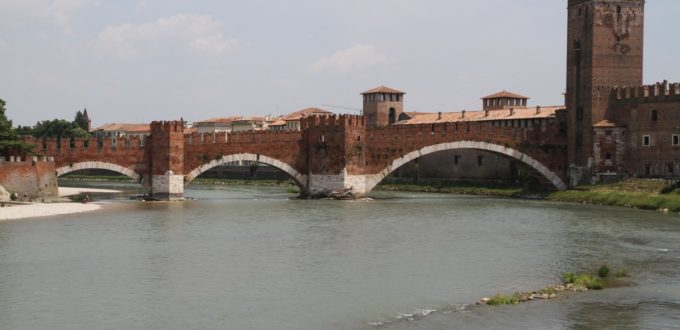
167	160
605	48
383	106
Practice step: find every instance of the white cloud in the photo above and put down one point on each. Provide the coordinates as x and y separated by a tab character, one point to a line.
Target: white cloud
197	33
356	57
59	12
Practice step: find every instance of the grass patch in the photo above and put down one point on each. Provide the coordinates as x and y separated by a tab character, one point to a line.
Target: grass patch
241	182
96	177
621	273
454	188
500	299
588	281
635	193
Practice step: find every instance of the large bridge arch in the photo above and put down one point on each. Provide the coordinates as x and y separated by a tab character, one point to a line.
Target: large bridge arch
551	176
297	177
99	165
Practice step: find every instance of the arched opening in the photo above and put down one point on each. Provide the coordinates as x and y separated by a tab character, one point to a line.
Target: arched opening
392	116
546	175
109	167
250	159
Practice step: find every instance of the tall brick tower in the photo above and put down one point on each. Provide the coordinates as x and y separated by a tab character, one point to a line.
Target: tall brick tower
167	160
383	106
605	47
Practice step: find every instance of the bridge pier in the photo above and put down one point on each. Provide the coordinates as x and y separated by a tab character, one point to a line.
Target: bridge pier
168	187
167	160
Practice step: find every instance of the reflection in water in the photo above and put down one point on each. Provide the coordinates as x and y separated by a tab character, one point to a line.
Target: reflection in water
252	258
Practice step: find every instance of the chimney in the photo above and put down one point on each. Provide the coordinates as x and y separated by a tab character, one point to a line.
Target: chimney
439	115
486	113
538	109
462	114
512	111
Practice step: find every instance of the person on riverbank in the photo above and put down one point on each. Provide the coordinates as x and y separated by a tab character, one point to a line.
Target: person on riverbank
86	199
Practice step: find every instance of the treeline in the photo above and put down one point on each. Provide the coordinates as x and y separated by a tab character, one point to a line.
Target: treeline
58	128
11	145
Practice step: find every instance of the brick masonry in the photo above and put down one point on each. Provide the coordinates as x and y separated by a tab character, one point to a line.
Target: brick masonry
34	177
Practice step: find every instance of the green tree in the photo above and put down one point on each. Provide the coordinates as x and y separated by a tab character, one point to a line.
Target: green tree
81	121
9	140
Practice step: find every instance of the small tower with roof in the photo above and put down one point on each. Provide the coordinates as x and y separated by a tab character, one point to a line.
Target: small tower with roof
383	106
504	100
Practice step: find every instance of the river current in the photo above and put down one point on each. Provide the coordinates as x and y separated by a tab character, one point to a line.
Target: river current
252	258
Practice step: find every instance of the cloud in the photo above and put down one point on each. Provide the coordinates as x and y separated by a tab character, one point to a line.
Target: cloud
59	12
196	33
356	57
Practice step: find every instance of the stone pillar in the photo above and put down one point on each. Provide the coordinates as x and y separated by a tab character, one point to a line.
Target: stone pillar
168	186
167	160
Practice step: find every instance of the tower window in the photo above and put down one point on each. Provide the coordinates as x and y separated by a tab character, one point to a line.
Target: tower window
646	140
392	116
676	139
618	10
608	156
655	115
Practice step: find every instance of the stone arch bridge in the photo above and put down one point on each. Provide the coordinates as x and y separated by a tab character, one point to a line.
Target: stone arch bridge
328	154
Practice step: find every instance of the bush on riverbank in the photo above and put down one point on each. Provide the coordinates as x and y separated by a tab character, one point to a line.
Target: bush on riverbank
588	281
636	193
500	299
454	188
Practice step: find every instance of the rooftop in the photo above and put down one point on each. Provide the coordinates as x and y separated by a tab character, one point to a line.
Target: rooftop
222	120
124	127
383	89
505	94
472	116
297	115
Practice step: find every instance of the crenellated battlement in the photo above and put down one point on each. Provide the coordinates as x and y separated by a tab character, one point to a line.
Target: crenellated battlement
661	91
336	120
167	126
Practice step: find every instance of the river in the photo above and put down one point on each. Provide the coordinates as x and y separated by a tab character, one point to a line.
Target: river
252	258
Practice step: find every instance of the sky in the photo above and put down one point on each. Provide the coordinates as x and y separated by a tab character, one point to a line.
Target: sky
134	61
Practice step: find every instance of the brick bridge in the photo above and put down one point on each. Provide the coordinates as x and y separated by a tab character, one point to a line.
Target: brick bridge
336	153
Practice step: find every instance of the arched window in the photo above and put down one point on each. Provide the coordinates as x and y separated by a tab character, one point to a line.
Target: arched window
392	116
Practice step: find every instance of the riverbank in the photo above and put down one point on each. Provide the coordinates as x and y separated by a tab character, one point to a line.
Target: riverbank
38	210
454	188
645	194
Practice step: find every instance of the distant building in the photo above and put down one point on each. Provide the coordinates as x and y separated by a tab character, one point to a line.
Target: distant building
292	120
215	125
122	130
244	124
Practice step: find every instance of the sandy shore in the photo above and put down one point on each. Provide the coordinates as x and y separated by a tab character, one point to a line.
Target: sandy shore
50	209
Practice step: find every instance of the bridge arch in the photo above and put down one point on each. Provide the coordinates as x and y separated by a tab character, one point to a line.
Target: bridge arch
99	165
297	177
512	153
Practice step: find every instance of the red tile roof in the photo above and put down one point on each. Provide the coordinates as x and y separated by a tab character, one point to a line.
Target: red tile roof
223	120
297	115
506	94
383	89
124	127
471	116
